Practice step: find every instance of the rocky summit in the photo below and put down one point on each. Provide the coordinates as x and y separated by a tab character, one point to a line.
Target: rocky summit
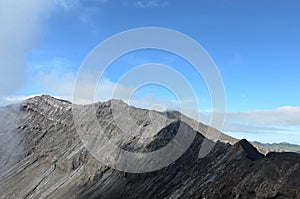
42	155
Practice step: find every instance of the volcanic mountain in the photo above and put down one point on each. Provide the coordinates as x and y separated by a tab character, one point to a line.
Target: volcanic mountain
42	155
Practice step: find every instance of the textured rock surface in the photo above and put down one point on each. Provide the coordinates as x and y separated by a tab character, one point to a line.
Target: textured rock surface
41	156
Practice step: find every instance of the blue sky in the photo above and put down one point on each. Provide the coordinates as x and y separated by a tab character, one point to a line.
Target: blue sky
255	44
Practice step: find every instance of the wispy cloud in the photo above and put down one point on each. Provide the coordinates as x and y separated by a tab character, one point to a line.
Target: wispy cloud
68	5
277	125
282	116
71	5
85	11
16	99
20	23
150	3
57	77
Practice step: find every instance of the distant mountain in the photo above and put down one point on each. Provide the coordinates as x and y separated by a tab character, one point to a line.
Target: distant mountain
278	147
42	156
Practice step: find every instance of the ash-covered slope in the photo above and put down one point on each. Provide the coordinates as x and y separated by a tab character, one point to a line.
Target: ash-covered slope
41	156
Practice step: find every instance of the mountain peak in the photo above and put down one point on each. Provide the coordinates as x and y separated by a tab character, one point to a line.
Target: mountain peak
46	98
250	151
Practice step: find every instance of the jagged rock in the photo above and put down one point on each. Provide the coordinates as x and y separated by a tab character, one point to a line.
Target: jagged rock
42	156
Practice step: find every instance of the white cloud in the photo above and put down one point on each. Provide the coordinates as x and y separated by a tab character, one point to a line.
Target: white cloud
57	77
84	10
277	125
19	24
68	4
16	99
151	3
282	116
20	98
259	121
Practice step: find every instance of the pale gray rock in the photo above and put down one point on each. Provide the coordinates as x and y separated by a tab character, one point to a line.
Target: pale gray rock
42	156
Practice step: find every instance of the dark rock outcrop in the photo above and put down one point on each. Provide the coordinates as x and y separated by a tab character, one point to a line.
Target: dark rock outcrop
42	156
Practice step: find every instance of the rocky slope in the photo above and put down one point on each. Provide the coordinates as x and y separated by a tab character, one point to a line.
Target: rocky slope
42	156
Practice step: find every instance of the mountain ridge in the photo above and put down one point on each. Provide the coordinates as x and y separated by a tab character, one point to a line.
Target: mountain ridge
53	163
262	147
